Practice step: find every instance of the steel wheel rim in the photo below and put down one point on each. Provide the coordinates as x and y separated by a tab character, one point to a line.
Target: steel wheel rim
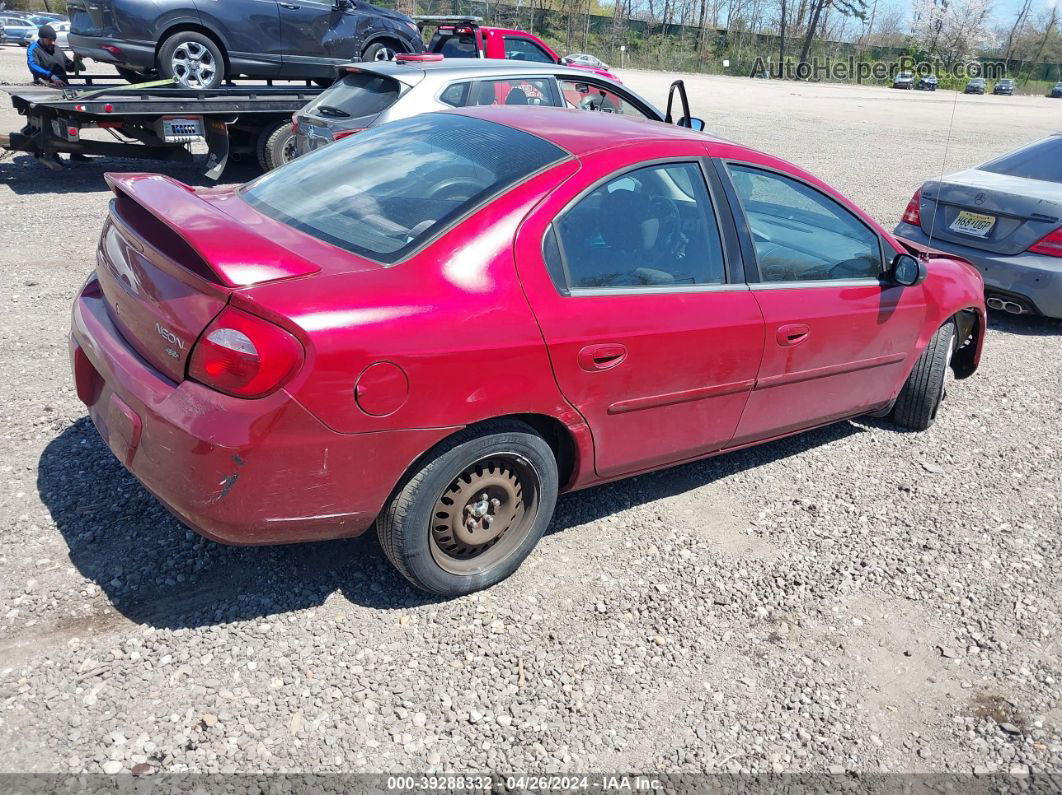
484	514
193	64
288	152
384	54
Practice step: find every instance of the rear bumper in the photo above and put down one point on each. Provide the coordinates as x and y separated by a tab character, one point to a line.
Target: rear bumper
131	54
1036	278
237	471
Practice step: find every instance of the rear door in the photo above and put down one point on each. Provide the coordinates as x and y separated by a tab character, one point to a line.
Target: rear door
635	280
838	337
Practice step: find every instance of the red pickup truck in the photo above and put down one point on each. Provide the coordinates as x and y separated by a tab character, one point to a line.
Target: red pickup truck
464	37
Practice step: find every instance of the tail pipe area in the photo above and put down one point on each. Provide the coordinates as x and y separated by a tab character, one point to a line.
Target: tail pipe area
1014	306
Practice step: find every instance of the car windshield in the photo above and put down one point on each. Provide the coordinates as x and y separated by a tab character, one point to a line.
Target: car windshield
1006	82
357	95
1041	160
384	192
904	75
977	81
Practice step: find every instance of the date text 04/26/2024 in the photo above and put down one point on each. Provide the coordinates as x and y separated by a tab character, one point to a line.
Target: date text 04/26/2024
524	783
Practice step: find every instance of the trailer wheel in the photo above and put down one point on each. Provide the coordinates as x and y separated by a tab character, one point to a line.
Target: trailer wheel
276	145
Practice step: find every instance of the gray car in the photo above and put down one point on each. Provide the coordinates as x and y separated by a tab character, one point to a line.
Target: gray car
1005	217
372	94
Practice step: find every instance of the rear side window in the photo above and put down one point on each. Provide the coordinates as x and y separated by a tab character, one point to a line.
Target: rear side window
1040	160
384	192
651	227
357	95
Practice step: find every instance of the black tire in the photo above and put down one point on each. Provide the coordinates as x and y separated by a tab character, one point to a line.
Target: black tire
413	533
189	47
381	51
132	76
276	145
917	405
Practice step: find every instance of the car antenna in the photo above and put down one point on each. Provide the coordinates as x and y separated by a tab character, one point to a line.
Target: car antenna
943	165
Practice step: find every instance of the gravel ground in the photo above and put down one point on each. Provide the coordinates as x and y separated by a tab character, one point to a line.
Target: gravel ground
854	599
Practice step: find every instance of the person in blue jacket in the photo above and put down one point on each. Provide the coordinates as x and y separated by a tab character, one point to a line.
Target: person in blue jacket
47	63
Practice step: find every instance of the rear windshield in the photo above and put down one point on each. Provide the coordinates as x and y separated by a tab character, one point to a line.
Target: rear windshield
455	46
1041	160
358	94
384	192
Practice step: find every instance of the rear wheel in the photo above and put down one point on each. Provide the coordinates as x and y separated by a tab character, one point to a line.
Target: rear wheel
921	396
276	145
473	511
192	59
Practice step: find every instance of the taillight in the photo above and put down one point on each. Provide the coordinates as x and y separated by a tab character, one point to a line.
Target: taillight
1050	245
244	356
913	213
339	135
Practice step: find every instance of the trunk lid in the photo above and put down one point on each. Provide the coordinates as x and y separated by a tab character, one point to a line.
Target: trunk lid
169	259
1024	210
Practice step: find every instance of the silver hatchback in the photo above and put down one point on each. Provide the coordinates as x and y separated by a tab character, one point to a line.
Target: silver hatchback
370	94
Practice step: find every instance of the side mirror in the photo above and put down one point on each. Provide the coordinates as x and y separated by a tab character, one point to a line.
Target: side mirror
907	270
342	5
693	124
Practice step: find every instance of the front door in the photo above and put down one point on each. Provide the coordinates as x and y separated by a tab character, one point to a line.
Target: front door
839	339
313	30
651	336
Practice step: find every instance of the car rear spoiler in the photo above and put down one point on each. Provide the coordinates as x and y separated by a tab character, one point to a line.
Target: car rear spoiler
927	252
236	255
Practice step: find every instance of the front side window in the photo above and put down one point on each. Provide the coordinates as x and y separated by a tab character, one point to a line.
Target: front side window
651	227
594	96
520	49
385	191
801	234
509	91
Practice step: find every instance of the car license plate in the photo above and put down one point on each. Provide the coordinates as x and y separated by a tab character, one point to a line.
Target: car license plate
976	224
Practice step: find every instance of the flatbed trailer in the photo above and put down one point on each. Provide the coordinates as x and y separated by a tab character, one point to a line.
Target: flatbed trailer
234	121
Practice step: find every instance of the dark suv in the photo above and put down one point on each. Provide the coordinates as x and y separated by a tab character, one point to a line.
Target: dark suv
201	43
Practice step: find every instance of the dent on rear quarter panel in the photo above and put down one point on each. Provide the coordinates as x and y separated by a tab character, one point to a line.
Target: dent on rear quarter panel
452	317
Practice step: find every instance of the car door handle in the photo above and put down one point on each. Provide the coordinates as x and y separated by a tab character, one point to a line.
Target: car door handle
792	334
594	358
292	6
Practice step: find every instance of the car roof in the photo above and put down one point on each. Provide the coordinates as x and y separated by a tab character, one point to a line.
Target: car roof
451	67
583	131
414	72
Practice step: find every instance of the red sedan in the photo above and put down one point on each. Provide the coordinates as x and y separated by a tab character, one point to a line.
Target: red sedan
437	326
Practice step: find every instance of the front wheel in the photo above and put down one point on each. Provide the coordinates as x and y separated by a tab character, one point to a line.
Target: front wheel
192	60
379	51
473	511
922	393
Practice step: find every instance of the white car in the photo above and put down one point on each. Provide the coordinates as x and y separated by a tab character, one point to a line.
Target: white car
582	59
62	30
